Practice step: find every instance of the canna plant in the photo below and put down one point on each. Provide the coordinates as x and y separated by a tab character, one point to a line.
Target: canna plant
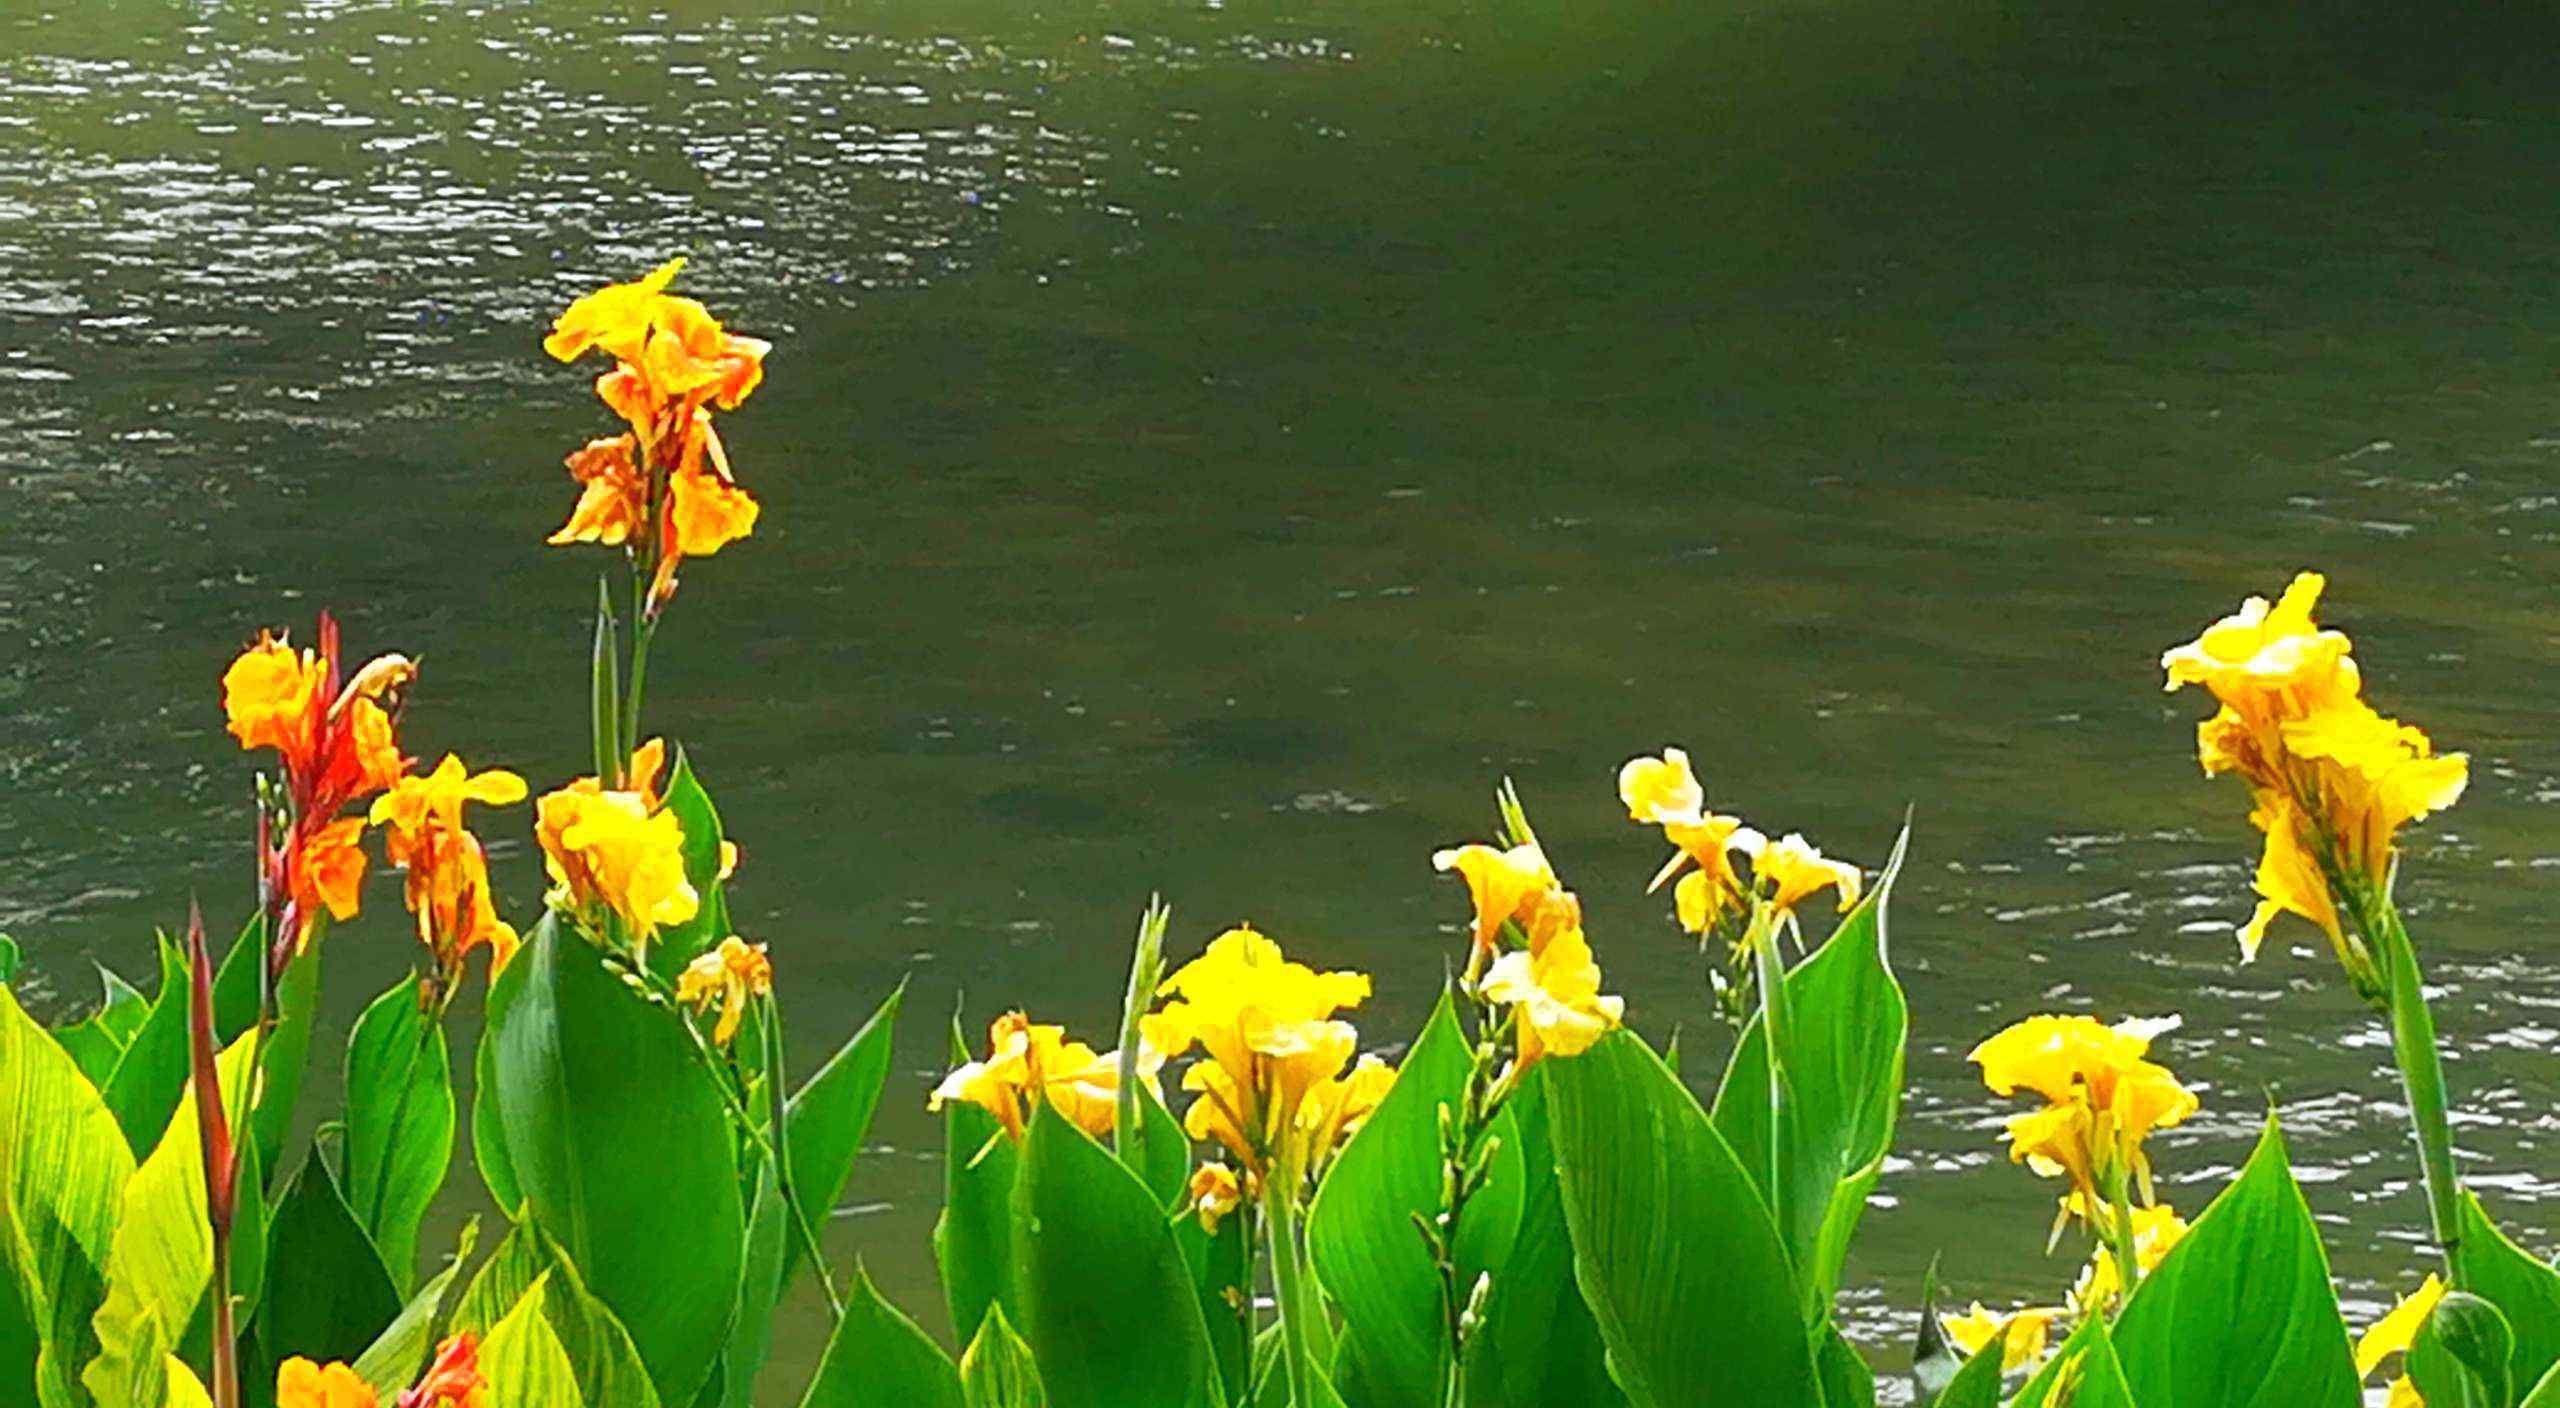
1242	1201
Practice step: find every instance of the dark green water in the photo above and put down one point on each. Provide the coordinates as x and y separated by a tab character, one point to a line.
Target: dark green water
1210	446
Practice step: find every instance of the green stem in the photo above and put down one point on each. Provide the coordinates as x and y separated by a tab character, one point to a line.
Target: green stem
1289	1280
1777	1026
641	635
226	1331
2414	1048
1146	968
2119	1235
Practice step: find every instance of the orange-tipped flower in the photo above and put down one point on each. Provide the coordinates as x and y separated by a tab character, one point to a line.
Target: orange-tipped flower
448	873
303	1384
664	490
453	1380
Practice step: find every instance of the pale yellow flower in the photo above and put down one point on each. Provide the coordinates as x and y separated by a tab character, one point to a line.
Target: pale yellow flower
2021	1333
727	976
1556	991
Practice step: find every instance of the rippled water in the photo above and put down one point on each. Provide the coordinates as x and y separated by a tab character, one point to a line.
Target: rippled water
1211	445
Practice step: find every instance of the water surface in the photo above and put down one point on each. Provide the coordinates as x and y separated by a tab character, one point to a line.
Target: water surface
1211	445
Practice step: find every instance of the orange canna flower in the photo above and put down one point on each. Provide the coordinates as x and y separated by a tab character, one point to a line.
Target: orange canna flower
454	1379
614	504
303	1384
448	873
326	870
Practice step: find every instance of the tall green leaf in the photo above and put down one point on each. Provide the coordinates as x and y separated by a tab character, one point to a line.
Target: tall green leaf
2240	1314
150	1076
488	1127
877	1358
600	1352
329	1295
831	1113
592	1076
399	1122
973	1238
997	1370
1674	1250
1221	1266
1107	1307
524	1362
64	1165
99	1040
1851	1025
677	945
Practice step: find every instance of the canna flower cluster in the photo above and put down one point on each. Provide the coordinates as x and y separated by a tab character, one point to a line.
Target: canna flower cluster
336	738
1281	1085
1026	1061
1716	897
2331	780
1550	979
616	855
446	871
2102	1100
2156	1229
2021	1333
661	490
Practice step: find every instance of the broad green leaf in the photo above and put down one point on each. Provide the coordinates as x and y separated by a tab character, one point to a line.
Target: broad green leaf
1976	1383
1847	1381
399	1354
677	945
2461	1353
997	1371
1360	1231
524	1362
2240	1313
1674	1251
64	1166
162	1255
624	1150
601	1357
98	1041
2546	1394
399	1123
185	1390
1107	1307
10	956
1538	1345
153	1071
831	1113
1221	1266
973	1239
328	1295
2087	1372
2520	1285
1164	1152
1851	1025
877	1358
759	1286
488	1127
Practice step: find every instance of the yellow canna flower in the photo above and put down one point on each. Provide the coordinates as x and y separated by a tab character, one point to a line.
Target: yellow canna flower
609	850
1024	1058
1556	993
2103	1098
616	318
1268	1028
1661	791
2021	1334
1215	1191
727	976
1514	886
270	694
613	498
1794	871
2393	1334
1336	1107
2332	780
303	1384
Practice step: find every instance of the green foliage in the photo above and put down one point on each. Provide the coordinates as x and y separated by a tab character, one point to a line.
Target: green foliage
601	1357
64	1166
329	1296
973	1239
624	1153
1539	1344
399	1122
399	1353
997	1370
676	945
1107	1306
1849	1028
2240	1314
877	1358
98	1041
2461	1353
1674	1250
524	1361
831	1113
1221	1267
2521	1286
